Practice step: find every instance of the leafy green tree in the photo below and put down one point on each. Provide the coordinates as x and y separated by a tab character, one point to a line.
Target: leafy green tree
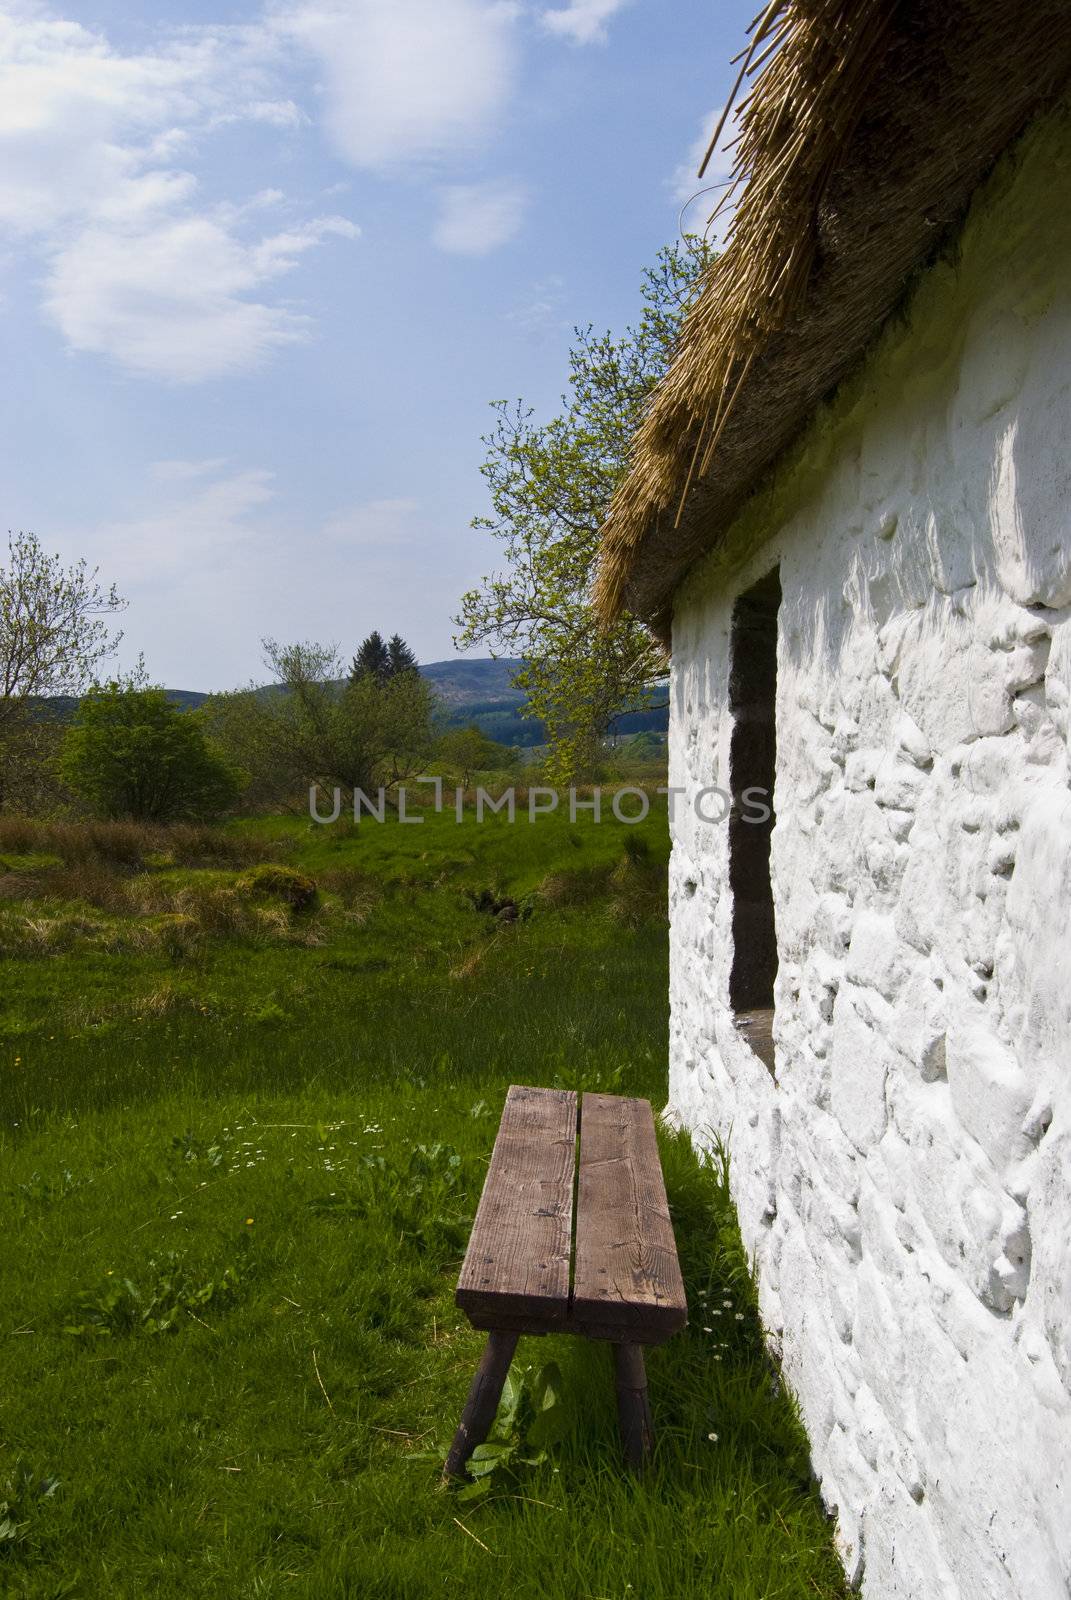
402	714
132	753
372	659
469	750
53	634
550	486
312	725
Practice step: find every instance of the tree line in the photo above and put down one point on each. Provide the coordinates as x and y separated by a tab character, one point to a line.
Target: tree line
549	485
128	751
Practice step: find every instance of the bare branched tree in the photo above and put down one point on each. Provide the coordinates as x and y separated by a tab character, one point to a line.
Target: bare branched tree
53	626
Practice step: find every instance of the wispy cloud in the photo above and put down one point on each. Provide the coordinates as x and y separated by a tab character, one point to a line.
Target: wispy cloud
102	149
377	524
476	218
139	269
196	517
583	21
177	471
211	548
541	310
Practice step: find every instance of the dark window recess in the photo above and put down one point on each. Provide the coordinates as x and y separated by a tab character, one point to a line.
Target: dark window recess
752	764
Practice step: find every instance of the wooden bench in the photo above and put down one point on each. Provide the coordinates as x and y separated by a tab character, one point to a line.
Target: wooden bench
527	1270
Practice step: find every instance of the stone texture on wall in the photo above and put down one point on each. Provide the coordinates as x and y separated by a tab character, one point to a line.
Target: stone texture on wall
905	1183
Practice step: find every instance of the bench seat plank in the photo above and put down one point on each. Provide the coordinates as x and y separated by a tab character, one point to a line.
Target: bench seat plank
627	1283
516	1270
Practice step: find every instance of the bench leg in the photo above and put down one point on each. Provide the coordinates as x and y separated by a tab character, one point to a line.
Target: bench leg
482	1403
633	1408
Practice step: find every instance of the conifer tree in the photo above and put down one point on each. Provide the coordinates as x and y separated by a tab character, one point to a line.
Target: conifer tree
400	657
372	659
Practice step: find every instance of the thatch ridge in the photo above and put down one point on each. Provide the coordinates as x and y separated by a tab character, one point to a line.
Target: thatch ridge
867	129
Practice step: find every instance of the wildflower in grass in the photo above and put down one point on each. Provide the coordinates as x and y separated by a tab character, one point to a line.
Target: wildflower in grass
713	1438
249	1222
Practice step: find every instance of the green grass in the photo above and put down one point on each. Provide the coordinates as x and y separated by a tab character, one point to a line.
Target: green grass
237	1179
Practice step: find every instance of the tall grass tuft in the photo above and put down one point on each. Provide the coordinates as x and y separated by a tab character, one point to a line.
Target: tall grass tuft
136	844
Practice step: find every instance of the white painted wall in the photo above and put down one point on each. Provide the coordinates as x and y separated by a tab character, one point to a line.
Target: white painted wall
905	1185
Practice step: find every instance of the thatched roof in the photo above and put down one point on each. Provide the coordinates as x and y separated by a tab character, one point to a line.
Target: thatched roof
867	128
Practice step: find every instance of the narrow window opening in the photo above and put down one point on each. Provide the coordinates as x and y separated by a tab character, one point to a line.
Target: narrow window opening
752	765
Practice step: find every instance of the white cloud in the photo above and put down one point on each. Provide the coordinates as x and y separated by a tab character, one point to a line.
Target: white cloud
583	21
476	218
137	270
100	153
199	515
167	299
698	197
212	558
406	80
78	119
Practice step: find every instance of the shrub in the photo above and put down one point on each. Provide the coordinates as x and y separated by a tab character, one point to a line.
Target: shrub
133	754
270	881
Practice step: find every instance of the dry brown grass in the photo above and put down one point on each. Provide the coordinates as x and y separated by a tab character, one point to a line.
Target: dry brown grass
574	887
66	907
472	961
113	886
357	892
132	845
638	893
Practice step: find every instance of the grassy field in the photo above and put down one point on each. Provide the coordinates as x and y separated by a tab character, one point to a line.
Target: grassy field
249	1082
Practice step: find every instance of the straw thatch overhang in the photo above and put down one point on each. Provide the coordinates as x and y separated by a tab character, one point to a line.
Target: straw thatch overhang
863	137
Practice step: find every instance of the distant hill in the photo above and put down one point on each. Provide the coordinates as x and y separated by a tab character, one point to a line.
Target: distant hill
472	691
470	683
62	707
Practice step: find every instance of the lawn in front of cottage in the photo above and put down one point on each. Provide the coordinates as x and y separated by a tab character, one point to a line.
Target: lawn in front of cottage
242	1137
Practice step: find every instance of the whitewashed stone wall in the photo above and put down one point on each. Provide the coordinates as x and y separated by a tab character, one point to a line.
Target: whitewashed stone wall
905	1183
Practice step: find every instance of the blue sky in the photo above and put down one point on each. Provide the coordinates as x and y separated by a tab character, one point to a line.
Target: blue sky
263	266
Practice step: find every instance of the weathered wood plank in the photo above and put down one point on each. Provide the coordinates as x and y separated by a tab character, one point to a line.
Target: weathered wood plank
627	1283
516	1269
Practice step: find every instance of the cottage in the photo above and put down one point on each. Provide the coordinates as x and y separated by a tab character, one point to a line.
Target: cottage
849	514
